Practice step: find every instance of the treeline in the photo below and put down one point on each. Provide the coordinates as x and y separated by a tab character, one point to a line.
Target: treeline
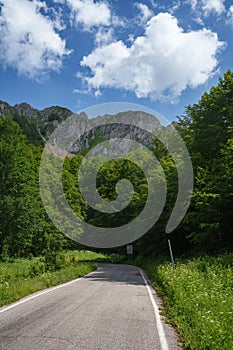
206	128
25	228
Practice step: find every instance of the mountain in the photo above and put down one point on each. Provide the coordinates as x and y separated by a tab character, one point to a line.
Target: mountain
79	132
37	124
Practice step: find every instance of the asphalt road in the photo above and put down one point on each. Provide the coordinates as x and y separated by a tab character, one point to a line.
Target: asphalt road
112	308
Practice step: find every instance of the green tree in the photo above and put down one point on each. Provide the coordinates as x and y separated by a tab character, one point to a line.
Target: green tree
207	129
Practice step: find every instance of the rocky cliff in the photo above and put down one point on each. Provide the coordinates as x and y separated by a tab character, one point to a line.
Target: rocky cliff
39	125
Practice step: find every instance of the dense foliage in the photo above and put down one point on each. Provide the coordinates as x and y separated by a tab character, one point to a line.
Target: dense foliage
207	129
25	227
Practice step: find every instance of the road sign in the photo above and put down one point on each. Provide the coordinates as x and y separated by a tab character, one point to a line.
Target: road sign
129	248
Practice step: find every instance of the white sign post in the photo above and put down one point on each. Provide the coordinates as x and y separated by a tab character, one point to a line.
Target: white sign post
171	255
129	249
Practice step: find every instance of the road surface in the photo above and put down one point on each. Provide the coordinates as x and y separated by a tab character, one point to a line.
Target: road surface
113	308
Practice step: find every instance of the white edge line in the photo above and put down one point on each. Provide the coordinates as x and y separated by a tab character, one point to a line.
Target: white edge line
38	294
162	336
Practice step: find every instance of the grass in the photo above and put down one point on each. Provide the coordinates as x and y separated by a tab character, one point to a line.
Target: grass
21	277
198	298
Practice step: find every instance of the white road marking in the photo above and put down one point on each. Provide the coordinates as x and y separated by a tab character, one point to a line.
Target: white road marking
41	293
161	333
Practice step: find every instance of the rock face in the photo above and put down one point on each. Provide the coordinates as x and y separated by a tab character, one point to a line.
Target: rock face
26	110
5	109
39	125
121	125
36	124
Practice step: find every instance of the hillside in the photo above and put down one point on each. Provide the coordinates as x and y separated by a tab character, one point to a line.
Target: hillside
38	125
33	121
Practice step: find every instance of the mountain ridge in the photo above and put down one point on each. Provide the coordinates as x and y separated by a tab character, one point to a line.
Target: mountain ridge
36	124
39	125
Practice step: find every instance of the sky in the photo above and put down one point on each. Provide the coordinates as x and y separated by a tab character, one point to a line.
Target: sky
161	54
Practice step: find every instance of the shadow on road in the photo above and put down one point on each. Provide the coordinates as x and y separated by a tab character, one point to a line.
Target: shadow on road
118	273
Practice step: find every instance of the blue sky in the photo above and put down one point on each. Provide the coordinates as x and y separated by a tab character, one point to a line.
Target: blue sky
78	53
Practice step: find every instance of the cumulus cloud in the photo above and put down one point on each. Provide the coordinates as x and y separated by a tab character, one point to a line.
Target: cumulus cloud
29	41
90	13
208	6
160	64
144	10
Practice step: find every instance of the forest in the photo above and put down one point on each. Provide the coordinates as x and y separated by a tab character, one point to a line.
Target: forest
207	129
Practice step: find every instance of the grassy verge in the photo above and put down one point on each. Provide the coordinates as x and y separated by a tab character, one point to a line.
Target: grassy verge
198	298
22	277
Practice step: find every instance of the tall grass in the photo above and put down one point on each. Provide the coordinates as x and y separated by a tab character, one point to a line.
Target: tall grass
21	277
198	297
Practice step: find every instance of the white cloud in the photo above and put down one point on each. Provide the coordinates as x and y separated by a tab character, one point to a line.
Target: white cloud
199	21
175	6
82	91
160	64
29	42
90	13
104	36
208	6
145	11
213	5
230	16
153	3
98	93
118	21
